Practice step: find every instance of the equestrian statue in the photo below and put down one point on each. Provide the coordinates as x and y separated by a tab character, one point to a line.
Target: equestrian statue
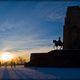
58	44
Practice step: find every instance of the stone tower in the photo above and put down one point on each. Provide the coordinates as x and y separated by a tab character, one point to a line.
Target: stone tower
71	35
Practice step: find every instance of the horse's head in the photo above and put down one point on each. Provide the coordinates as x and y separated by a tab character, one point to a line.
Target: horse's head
54	41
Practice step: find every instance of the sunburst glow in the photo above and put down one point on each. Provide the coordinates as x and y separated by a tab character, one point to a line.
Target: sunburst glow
6	56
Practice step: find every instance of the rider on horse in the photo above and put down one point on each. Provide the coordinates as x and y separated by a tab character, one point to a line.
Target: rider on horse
58	43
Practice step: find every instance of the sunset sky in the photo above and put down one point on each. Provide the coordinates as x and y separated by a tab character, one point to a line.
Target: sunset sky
31	26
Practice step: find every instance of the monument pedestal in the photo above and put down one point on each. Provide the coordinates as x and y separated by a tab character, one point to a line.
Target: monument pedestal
56	58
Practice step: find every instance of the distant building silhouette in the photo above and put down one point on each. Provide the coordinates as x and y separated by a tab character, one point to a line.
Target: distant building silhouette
71	31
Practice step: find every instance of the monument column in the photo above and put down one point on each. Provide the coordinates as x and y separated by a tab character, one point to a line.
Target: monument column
71	33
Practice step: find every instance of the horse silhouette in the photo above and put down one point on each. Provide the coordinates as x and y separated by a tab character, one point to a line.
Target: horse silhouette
58	44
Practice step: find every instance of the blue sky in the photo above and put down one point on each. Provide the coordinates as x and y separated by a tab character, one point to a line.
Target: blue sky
27	25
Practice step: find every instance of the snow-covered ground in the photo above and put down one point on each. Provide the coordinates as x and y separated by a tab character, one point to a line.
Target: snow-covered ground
21	73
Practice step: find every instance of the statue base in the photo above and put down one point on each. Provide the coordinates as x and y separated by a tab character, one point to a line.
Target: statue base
55	58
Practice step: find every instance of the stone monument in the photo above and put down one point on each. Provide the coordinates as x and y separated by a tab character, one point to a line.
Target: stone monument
71	33
70	55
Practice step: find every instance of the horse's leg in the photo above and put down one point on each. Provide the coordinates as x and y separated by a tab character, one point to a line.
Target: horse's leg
61	47
55	48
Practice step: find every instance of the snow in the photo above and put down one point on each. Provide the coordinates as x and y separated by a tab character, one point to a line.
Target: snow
29	73
21	73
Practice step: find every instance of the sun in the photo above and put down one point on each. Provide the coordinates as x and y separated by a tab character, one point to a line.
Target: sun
6	56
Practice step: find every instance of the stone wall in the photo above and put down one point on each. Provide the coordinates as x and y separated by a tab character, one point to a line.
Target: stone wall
56	58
